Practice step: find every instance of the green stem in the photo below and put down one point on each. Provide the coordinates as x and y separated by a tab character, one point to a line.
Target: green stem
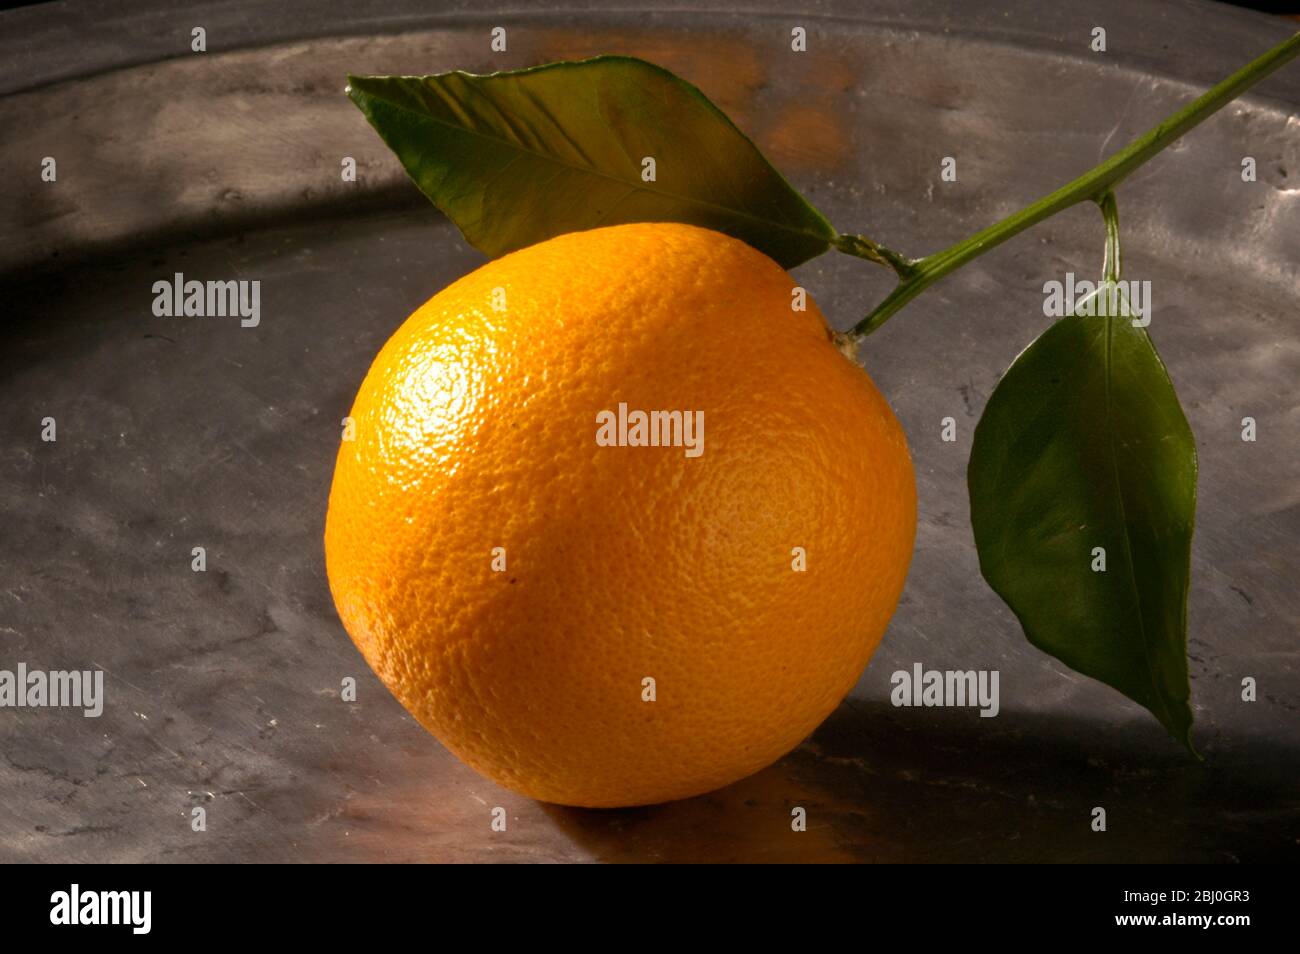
1110	268
863	247
917	275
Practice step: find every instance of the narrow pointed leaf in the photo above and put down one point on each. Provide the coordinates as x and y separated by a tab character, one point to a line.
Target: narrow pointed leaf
515	158
1083	445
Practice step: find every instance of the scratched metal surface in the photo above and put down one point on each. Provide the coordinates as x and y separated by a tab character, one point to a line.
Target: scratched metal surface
222	687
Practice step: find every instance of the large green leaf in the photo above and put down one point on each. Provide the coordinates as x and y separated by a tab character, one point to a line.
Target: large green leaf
1083	444
515	158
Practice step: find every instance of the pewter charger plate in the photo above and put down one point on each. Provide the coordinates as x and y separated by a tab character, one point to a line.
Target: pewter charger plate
223	686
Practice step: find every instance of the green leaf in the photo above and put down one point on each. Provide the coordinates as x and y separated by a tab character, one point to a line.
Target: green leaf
515	158
1083	444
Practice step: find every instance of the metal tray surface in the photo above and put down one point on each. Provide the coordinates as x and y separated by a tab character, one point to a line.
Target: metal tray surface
223	687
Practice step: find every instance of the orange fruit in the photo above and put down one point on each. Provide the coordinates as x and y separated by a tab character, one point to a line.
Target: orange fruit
617	625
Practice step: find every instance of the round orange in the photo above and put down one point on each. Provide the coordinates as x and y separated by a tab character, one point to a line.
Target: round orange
618	625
